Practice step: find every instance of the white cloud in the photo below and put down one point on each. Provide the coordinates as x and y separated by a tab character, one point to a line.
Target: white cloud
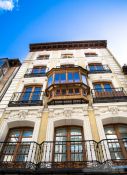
7	4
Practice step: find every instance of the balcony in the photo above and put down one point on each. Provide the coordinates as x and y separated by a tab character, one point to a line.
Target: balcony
99	69
26	99
63	157
124	68
67	84
107	95
30	73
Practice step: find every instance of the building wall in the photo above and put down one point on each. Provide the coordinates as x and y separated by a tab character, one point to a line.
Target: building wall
90	116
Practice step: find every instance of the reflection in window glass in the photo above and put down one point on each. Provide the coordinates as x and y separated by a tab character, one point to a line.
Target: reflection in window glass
57	78
70	77
50	79
63	77
76	77
84	79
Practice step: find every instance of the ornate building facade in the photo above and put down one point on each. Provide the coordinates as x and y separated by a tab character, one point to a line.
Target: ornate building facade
65	112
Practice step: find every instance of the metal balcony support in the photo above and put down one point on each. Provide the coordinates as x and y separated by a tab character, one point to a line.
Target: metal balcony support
107	95
61	157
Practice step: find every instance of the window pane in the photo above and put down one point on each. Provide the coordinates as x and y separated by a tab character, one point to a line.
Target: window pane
109	130
98	87
76	131
27	133
70	91
76	77
92	68
63	91
36	94
107	87
50	79
99	67
70	76
122	129
76	91
63	77
61	132
35	70
42	70
84	79
58	92
57	78
14	133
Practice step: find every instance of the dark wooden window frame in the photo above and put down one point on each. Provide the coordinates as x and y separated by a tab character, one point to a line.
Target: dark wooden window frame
68	144
116	129
19	141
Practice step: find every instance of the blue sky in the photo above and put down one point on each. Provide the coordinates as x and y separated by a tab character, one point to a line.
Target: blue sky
31	21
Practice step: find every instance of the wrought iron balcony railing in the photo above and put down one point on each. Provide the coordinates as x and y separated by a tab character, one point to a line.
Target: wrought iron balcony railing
107	95
106	156
30	73
99	69
26	99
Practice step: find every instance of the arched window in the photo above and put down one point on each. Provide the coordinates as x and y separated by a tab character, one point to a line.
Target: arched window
68	144
17	144
116	135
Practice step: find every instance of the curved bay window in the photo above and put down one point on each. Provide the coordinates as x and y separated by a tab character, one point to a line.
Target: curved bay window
104	91
70	82
116	135
17	145
68	144
31	95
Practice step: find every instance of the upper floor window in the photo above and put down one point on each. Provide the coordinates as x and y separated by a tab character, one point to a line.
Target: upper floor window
103	86
43	57
66	55
66	65
95	67
31	93
60	77
39	70
91	54
50	80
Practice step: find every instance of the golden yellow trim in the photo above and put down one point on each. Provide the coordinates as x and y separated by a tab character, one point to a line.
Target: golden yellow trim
43	127
93	124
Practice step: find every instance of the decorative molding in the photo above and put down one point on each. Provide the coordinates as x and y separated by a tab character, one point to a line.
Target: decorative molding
113	109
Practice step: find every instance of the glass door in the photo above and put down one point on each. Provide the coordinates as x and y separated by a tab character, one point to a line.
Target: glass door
68	144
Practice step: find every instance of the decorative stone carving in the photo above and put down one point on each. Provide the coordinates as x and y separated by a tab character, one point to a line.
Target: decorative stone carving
113	109
67	113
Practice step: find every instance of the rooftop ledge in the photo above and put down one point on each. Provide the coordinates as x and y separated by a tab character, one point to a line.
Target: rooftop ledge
68	45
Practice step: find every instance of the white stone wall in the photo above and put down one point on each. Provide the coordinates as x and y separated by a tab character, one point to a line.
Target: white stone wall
67	114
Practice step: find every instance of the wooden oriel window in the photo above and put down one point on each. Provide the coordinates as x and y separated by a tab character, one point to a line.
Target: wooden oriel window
32	93
17	144
68	144
118	143
67	91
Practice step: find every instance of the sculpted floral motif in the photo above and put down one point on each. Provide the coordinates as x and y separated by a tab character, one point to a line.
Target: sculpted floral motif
113	109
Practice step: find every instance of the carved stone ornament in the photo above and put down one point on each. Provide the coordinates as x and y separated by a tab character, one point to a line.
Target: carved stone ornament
113	109
67	113
20	115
